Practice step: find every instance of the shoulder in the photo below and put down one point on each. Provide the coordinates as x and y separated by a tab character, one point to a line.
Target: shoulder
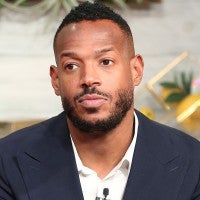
168	138
21	139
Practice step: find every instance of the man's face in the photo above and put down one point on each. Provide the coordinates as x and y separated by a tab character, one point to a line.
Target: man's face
96	74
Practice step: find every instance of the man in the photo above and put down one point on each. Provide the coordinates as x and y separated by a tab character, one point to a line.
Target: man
99	147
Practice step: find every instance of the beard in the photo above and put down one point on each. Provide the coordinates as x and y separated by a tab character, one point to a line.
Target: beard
117	113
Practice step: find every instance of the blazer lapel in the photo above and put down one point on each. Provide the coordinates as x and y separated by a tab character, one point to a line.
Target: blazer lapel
157	168
48	167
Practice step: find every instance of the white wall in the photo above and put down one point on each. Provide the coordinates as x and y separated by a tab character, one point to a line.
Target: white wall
161	33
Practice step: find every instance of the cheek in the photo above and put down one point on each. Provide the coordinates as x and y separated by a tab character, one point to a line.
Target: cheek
128	76
67	89
122	79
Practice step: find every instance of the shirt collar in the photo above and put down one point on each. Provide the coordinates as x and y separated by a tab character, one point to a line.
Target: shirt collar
126	161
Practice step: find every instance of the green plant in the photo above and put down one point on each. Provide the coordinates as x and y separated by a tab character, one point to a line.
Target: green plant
180	87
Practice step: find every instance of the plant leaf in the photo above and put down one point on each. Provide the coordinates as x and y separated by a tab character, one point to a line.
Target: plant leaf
174	97
139	1
120	3
66	5
73	3
186	82
19	2
1	3
190	78
169	84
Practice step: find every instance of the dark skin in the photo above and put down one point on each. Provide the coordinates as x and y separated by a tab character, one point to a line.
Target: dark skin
97	54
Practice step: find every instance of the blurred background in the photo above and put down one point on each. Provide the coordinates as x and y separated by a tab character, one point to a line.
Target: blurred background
166	33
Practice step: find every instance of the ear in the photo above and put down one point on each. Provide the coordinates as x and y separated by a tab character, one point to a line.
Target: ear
137	66
55	79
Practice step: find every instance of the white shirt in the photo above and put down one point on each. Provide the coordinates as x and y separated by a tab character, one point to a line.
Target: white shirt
115	181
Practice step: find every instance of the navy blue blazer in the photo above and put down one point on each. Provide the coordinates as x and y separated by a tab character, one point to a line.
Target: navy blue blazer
37	163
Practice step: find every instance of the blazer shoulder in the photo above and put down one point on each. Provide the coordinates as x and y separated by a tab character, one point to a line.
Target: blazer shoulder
169	138
23	138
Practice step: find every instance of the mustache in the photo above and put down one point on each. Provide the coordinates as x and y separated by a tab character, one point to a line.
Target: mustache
93	90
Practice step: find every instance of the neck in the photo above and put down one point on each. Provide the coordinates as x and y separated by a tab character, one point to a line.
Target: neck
98	151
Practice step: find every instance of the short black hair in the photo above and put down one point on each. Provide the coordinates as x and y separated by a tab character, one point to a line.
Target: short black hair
93	12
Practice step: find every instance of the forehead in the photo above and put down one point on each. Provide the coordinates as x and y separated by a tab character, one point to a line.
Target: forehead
90	33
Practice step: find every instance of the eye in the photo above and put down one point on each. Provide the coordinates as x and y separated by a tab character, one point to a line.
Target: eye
106	62
71	67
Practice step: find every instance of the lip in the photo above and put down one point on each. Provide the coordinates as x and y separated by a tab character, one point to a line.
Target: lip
92	101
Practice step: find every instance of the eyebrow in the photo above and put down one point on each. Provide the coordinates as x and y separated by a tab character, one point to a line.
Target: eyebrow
68	54
104	50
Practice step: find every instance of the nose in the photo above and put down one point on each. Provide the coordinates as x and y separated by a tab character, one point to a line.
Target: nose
90	77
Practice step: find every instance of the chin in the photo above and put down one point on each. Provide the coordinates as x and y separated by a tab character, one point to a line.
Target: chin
94	118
